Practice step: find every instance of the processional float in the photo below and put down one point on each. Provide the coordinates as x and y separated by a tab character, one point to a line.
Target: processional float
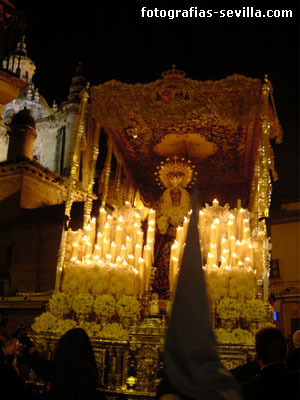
116	276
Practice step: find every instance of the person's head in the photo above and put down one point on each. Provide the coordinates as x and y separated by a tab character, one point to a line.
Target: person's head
74	370
271	346
7	328
175	194
296	339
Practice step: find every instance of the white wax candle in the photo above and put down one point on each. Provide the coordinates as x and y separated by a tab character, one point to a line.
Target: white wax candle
113	251
106	246
118	238
213	232
141	269
99	239
137	254
98	251
93	231
128	246
140	238
74	250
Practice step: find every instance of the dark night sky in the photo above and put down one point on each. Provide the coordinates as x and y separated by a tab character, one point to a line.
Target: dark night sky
117	43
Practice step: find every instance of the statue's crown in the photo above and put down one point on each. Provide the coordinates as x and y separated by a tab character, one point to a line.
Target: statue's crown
175	171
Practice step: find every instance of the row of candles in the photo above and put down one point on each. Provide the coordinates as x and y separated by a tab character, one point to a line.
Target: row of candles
222	248
112	245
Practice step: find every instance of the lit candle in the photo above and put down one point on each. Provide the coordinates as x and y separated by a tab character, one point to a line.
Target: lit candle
106	231
137	254
103	216
93	231
185	227
123	252
231	227
141	268
118	238
113	251
87	232
99	239
140	238
98	251
151	214
179	234
131	259
128	245
213	232
74	250
106	246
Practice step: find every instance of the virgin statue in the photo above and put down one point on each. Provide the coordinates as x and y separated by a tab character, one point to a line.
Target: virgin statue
173	206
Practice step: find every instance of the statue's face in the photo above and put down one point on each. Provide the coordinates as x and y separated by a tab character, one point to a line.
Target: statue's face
175	195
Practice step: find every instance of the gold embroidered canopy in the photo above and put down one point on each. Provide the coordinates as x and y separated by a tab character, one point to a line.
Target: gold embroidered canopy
216	124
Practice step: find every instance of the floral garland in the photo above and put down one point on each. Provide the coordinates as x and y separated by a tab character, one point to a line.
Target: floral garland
254	310
128	306
83	303
60	304
229	309
105	305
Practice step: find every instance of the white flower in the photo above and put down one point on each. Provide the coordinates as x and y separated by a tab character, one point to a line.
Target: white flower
46	322
105	305
114	331
60	304
242	336
229	308
83	303
254	310
64	325
128	306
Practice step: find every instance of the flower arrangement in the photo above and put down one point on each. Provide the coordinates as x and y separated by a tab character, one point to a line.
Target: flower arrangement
229	308
223	336
92	328
242	336
60	304
64	325
217	285
98	281
117	284
74	281
253	310
105	305
114	331
46	322
83	303
242	285
128	306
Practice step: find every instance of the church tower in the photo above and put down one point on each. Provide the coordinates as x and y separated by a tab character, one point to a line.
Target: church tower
19	63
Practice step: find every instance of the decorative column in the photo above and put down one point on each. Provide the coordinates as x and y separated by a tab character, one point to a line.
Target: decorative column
89	198
118	184
107	169
78	132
